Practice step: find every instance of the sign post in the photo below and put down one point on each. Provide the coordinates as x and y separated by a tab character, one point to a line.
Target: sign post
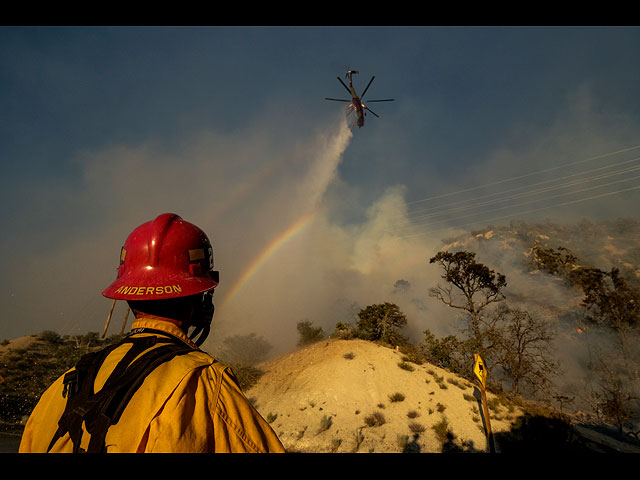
481	373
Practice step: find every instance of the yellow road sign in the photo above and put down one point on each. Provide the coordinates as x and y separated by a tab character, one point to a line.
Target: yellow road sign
480	370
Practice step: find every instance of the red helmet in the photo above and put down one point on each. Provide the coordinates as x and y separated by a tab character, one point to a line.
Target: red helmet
164	258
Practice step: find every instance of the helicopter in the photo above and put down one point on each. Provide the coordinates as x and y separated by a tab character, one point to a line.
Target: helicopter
356	104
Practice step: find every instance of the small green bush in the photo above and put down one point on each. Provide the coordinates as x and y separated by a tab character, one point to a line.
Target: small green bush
406	366
442	431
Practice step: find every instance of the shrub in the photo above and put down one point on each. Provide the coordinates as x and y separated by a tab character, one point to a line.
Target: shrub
416	427
343	332
248	349
247	376
406	366
358	439
325	423
50	337
308	334
455	382
271	417
442	431
375	419
396	397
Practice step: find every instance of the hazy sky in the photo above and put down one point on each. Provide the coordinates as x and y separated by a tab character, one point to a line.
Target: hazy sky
103	128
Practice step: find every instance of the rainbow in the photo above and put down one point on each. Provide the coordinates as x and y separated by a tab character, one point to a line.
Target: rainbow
271	249
248	185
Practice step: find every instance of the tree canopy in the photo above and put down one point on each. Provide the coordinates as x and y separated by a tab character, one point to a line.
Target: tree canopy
382	322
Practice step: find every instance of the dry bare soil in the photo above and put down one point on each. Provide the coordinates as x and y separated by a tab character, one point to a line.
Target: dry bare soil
327	396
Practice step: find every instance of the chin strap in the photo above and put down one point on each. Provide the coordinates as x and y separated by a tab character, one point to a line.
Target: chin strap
202	318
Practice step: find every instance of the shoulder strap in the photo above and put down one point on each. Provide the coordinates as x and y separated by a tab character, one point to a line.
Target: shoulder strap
98	411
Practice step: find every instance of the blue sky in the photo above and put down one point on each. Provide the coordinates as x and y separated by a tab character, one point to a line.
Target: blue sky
103	128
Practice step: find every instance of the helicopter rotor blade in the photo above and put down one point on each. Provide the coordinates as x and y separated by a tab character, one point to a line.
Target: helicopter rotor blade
371	111
343	84
337	99
367	87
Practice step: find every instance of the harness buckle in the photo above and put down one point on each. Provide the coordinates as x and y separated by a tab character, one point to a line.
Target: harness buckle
70	384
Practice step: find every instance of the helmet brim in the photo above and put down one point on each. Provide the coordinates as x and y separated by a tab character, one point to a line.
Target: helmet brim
146	286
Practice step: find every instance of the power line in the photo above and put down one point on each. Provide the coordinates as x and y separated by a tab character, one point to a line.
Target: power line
528	186
524	194
534	210
482	201
525	175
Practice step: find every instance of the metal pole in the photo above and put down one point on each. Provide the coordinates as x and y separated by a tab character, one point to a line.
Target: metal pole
487	420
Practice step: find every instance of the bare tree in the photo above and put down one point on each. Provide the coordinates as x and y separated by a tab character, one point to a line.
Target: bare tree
522	344
614	400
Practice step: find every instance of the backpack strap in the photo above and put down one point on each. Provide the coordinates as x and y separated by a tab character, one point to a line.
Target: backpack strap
98	411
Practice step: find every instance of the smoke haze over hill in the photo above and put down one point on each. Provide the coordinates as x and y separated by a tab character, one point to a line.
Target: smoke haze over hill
292	239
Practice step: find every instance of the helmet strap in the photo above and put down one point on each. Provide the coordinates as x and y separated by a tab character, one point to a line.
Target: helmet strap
201	319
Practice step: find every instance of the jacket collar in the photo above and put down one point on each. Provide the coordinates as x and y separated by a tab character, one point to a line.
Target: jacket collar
162	326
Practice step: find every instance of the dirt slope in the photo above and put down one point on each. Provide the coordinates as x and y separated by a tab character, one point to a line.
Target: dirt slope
346	381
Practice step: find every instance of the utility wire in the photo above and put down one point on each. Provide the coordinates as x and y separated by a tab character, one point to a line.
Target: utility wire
524	194
525	175
533	210
532	185
474	202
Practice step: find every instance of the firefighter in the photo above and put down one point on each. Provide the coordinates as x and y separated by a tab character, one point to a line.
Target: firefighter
155	391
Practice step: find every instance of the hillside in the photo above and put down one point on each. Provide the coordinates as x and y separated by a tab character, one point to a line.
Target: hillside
324	398
348	380
29	364
334	395
603	244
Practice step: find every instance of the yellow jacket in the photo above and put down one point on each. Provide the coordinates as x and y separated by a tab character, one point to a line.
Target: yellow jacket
190	404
